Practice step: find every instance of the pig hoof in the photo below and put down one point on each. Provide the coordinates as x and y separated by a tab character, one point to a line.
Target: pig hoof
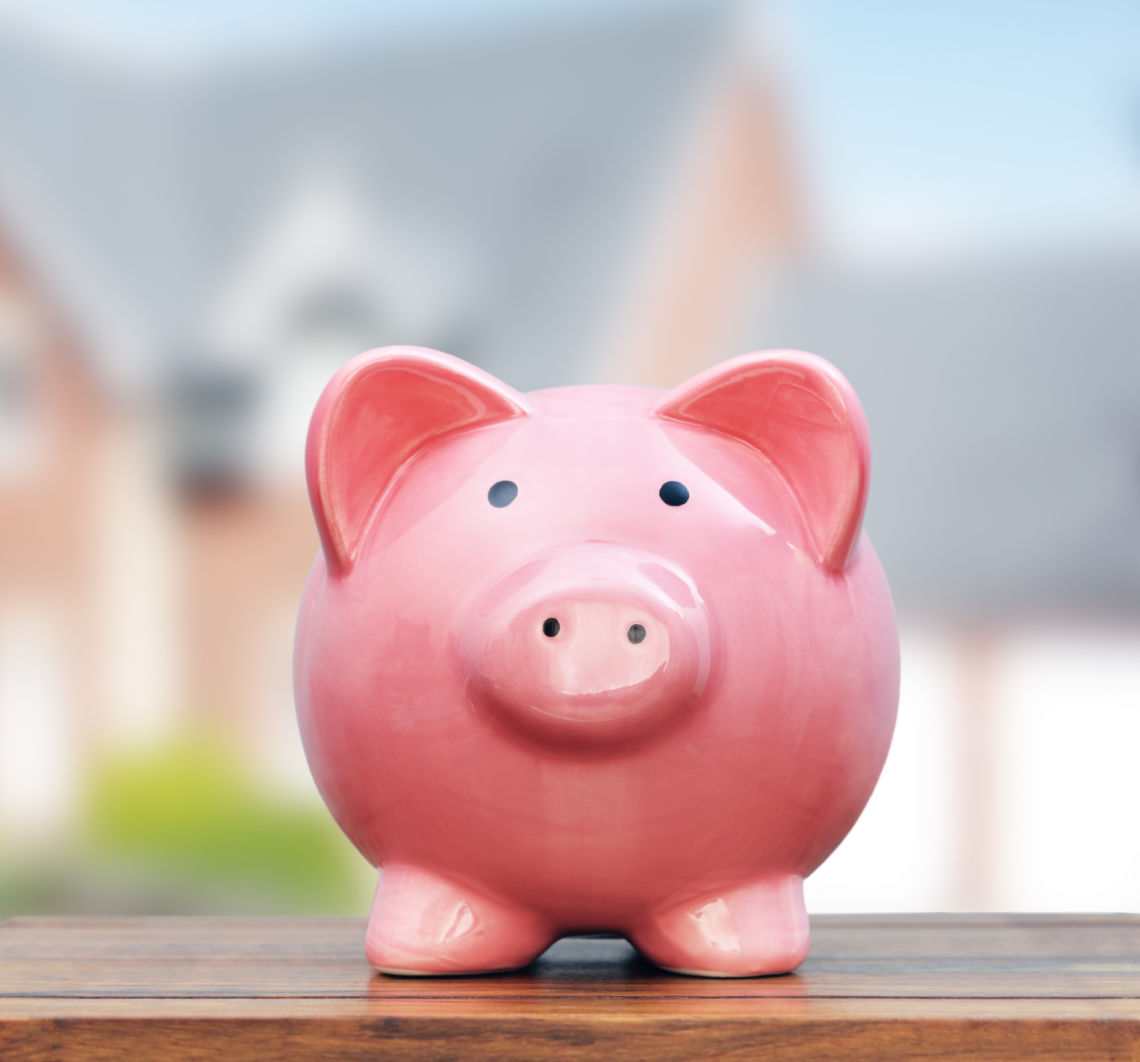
423	925
755	929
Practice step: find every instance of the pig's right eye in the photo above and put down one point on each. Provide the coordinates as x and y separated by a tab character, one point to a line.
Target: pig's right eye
502	493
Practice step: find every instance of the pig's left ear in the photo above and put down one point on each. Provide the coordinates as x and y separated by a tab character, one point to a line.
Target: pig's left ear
801	414
373	417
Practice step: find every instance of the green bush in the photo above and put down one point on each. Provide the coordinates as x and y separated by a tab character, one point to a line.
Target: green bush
186	821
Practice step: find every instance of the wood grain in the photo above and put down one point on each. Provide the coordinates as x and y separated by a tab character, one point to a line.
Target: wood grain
874	987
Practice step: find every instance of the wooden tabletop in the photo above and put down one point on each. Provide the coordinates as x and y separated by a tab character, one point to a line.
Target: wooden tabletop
874	987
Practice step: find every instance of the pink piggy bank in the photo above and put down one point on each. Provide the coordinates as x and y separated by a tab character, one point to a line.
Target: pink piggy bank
593	658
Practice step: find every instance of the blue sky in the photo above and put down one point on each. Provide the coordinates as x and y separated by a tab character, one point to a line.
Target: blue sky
992	121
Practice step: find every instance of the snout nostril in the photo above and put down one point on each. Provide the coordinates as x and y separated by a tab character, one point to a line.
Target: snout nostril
636	633
551	627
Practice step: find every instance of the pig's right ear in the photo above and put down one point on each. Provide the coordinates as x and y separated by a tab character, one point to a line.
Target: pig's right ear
801	414
376	413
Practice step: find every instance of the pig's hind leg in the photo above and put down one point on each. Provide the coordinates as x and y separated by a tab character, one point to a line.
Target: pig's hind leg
757	928
424	924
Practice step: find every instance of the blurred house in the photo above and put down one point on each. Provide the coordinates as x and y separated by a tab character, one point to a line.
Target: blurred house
1003	398
191	241
1003	395
52	426
569	198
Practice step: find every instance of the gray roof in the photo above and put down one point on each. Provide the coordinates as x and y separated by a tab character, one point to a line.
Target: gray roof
532	154
1004	404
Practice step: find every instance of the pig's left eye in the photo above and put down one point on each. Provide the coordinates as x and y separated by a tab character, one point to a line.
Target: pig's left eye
502	493
674	493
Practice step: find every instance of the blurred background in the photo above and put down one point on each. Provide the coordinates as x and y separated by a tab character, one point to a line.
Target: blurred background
204	209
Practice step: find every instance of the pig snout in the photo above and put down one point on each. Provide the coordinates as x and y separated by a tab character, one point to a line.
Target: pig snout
589	648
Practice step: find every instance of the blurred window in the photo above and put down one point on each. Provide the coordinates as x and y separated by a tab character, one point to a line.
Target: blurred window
330	321
209	417
21	416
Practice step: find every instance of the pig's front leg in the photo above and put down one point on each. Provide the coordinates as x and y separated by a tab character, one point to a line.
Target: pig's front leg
757	928
424	924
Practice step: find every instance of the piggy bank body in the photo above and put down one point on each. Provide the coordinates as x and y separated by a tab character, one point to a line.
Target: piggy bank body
594	658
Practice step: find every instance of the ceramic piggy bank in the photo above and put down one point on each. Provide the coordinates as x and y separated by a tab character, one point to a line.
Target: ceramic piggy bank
593	658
